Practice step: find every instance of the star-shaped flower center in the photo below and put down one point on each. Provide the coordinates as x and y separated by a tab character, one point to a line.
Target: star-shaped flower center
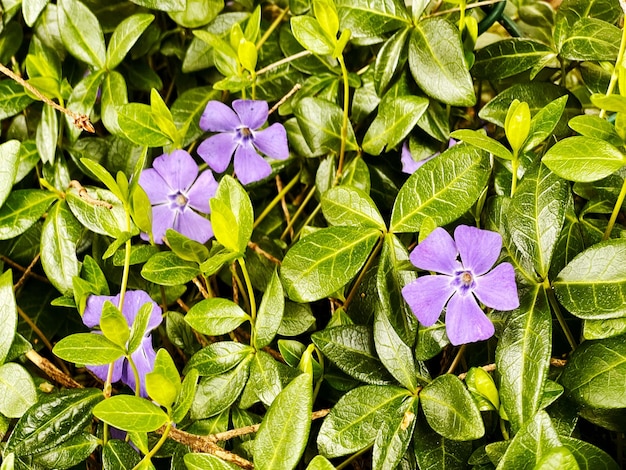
179	200
244	134
464	281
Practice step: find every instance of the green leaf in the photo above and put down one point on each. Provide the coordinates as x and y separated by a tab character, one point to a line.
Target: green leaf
138	125
265	381
536	439
345	205
297	319
312	36
163	116
167	269
232	215
508	57
13	99
355	420
60	234
197	13
216	316
114	325
8	315
188	108
81	33
140	326
588	456
216	394
207	462
114	95
591	39
437	62
351	349
320	123
163	383
593	285
185	396
389	58
69	453
110	221
319	463
517	124
545	121
125	36
394	436
17	390
536	215
523	357
284	431
394	353
270	313
130	413
323	262
557	458
583	159
82	100
369	19
88	349
217	358
104	176
119	455
482	141
54	419
47	134
435	451
163	5
593	375
185	248
9	154
596	127
450	409
443	189
22	209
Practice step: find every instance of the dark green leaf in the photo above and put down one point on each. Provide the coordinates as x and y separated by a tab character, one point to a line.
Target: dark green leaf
345	205
394	353
81	33
82	99
389	58
216	316
588	456
270	313
130	413
13	98
188	108
297	319
217	358
68	454
22	209
509	57
432	451
167	269
119	455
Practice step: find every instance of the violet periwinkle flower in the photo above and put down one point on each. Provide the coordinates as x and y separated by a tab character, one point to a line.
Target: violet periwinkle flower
177	192
410	165
239	132
144	356
461	282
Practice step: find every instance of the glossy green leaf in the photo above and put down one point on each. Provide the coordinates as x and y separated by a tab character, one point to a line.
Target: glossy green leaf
284	431
536	439
60	234
523	357
443	189
591	39
8	315
185	396
545	121
114	325
355	420
369	19
69	453
100	219
216	316
163	5
17	390
186	248
119	455
197	13
9	154
390	56
345	205
323	262
450	409
13	98
320	462
232	215
47	134
81	33
163	117
536	215
265	381
584	159
139	126
588	456
297	319
114	95
217	358
351	348
22	209
593	284
188	108
596	127
396	117
163	383
270	313
130	413
394	353
207	462
88	349
394	436
437	62
320	123
167	269
105	177
82	100
125	36
311	35
508	57
434	451
482	141
54	419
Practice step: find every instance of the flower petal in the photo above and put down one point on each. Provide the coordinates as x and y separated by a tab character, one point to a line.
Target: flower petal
178	169
465	321
217	151
252	113
202	190
93	308
250	166
436	253
143	358
273	142
194	226
102	371
155	186
133	301
479	249
427	296
497	289
162	218
217	117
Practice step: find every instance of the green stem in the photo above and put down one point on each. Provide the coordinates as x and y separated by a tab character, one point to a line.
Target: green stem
364	270
277	199
246	277
615	73
344	124
515	167
155	449
616	209
559	315
43	182
135	374
306	222
297	213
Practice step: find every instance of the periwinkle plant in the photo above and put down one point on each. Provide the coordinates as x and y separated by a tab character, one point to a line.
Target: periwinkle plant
271	225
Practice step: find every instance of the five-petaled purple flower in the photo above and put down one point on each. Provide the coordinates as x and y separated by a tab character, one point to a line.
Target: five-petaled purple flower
460	281
144	356
175	192
238	133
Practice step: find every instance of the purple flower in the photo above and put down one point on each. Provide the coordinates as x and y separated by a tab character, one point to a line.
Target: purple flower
410	165
238	133
461	282
175	192
144	356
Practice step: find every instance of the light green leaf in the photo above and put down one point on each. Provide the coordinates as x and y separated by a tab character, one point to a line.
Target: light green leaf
125	36
217	358
8	314
9	156
368	20
167	269
185	396
323	262
588	456
114	95
163	5
320	462
81	33
197	13
130	413
443	189
591	39
22	209
207	462
509	57
100	219
390	56
163	116
17	390
593	284
345	205
216	316
312	36
284	431
437	62
270	313
13	98
482	141
114	325
232	215
138	125
88	349
596	127
47	134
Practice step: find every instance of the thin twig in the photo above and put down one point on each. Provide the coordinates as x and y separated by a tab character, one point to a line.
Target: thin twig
19	267
27	273
82	192
256	248
492	367
467	7
295	88
51	370
81	121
